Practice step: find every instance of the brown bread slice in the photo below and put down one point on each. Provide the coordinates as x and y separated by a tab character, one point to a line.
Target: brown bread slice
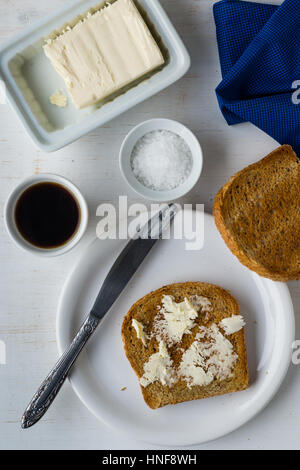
257	212
144	310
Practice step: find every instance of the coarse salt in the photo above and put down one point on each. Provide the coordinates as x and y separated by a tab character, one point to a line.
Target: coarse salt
161	160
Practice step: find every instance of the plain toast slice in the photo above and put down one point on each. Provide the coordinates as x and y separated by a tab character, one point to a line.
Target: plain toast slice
257	212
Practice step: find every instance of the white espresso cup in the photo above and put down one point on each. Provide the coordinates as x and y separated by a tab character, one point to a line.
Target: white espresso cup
10	218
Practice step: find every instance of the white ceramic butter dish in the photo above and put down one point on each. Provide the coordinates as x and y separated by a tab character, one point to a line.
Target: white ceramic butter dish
30	78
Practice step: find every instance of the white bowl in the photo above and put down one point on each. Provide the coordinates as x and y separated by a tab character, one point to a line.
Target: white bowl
9	215
152	125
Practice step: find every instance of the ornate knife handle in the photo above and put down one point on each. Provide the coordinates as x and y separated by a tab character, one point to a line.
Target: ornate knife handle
53	382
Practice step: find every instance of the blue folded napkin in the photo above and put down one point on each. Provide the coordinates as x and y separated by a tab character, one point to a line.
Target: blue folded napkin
259	48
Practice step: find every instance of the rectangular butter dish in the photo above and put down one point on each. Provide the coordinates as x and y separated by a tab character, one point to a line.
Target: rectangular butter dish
30	78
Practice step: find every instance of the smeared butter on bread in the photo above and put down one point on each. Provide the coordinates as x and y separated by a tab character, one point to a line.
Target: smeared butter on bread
174	319
189	361
232	324
209	357
138	326
158	368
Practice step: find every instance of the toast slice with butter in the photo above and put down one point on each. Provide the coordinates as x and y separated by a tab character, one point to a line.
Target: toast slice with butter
257	212
185	342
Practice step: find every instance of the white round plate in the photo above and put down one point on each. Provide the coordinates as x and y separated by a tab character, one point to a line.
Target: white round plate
102	369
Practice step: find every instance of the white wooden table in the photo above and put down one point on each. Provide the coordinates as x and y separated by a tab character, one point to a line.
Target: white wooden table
30	286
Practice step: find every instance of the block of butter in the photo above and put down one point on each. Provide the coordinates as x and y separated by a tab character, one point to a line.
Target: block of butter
104	52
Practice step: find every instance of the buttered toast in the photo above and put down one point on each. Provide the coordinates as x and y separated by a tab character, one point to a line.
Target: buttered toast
185	342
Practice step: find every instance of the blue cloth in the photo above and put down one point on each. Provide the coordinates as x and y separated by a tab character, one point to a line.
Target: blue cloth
259	48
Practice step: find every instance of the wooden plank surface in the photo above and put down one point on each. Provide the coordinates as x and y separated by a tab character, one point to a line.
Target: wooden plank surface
30	286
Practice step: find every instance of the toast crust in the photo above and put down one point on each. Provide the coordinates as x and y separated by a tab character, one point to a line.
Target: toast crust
269	266
144	310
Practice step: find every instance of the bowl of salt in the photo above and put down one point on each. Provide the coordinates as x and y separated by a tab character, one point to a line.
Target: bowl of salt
161	160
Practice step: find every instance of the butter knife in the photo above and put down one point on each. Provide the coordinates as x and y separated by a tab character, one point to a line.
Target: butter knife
118	277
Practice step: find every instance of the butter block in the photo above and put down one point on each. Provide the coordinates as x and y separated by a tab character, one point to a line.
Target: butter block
103	53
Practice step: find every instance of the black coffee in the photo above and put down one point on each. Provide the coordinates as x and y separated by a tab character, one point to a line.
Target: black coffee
47	215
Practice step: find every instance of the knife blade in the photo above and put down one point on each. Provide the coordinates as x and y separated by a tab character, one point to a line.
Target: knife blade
116	280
